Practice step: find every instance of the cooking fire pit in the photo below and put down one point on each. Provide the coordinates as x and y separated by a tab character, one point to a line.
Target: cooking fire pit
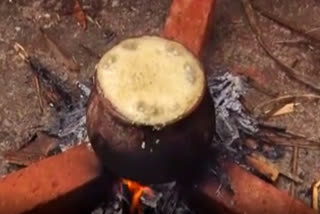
141	144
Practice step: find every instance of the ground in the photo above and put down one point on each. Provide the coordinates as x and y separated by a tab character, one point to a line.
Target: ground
232	45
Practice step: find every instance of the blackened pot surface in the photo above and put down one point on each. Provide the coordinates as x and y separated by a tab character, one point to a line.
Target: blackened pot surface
148	154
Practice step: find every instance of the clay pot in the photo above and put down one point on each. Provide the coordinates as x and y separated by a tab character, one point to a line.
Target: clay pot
145	153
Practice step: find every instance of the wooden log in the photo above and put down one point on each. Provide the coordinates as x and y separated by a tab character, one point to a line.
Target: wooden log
71	182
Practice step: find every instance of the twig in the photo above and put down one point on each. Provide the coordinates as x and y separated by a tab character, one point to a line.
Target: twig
313	30
90	19
268	169
90	51
51	81
37	84
315	196
282	131
21	51
294	169
25	56
285	99
301	136
266	12
267	91
294	41
291	72
300	146
46	78
277	128
269	141
59	54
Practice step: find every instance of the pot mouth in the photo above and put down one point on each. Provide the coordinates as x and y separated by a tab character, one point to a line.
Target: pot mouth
151	81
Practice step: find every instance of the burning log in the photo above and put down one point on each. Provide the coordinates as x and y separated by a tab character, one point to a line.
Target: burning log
150	116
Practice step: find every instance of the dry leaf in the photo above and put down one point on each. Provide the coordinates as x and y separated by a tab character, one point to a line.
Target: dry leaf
286	109
34	151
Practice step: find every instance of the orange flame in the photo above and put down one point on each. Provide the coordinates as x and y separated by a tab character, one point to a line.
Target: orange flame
137	190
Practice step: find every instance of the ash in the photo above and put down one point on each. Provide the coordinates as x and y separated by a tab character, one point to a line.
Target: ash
70	125
232	119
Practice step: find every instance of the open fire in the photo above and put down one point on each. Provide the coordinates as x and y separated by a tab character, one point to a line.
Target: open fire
137	191
132	197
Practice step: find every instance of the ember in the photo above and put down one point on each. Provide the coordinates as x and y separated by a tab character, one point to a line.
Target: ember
137	191
133	197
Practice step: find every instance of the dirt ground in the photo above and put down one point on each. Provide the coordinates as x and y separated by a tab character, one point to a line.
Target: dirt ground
232	45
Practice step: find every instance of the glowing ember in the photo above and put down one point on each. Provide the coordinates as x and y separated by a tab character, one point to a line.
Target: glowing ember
137	191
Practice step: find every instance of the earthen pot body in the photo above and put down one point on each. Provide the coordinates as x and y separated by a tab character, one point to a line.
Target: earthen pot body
149	154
